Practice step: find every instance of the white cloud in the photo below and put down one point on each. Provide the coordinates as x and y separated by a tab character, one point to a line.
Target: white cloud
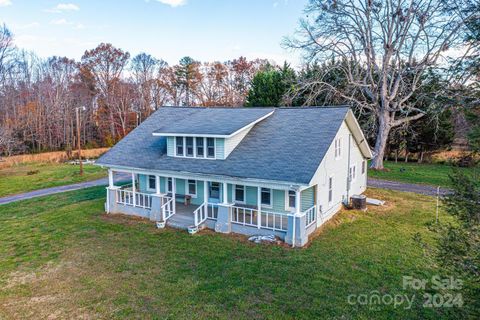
27	26
4	3
60	22
173	3
62	7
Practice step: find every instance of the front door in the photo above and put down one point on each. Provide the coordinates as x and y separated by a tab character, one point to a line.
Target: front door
214	192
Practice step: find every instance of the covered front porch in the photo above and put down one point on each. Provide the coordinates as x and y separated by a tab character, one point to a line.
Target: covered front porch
225	207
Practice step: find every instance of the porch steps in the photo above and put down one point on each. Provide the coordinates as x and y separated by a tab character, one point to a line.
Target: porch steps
182	222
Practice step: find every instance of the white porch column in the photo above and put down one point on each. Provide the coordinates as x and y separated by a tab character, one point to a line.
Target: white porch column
174	191
225	193
157	184
110	178
259	206
298	202
134	190
205	191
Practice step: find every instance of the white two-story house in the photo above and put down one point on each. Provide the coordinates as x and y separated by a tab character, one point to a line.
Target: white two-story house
281	171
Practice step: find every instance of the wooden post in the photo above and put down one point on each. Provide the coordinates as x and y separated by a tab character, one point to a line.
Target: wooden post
77	112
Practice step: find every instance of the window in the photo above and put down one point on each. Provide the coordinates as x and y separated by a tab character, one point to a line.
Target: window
291	199
169	185
179	143
215	190
239	193
266	196
210	148
192	187
338	148
152	183
364	166
330	190
352	173
200	147
189	146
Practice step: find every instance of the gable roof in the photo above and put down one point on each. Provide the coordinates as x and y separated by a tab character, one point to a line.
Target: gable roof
219	122
287	146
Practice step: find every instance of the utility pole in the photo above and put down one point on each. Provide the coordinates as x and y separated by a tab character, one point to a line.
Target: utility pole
78	138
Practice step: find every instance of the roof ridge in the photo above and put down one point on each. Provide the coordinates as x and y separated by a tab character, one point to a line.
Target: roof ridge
258	107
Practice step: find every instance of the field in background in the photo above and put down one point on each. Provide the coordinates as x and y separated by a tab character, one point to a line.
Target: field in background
48	157
26	177
420	173
61	255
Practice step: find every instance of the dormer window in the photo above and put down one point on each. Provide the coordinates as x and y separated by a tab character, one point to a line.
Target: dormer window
189	146
200	147
210	148
179	144
195	147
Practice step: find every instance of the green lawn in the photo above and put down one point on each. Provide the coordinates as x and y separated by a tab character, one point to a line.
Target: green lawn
61	256
34	176
420	173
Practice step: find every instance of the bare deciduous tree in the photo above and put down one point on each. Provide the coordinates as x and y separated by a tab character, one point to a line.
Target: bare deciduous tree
386	48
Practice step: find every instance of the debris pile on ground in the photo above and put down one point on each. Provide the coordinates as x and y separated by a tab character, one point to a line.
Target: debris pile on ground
259	239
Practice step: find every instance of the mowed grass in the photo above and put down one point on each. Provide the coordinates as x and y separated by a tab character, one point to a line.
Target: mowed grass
420	173
33	176
62	257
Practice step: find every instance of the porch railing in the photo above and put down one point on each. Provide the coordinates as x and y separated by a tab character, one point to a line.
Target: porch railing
167	208
137	199
275	221
200	214
310	216
245	216
212	211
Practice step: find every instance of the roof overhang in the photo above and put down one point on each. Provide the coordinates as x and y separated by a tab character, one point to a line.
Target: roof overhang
358	135
274	184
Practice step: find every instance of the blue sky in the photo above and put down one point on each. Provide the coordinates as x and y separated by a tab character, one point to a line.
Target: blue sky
206	30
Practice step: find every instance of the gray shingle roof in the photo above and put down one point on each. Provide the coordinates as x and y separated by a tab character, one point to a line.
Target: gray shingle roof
286	146
214	121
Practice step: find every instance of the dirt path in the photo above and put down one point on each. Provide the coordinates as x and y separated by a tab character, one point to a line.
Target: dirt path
53	190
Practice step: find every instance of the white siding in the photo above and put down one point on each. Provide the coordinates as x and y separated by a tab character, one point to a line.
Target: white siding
338	169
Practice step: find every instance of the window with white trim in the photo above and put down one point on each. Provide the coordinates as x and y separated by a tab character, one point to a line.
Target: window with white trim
215	190
330	190
195	147
189	146
352	173
192	188
152	183
291	197
266	197
169	185
338	148
239	193
210	147
179	146
200	145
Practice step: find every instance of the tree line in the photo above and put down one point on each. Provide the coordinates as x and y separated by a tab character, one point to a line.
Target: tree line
408	69
39	97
